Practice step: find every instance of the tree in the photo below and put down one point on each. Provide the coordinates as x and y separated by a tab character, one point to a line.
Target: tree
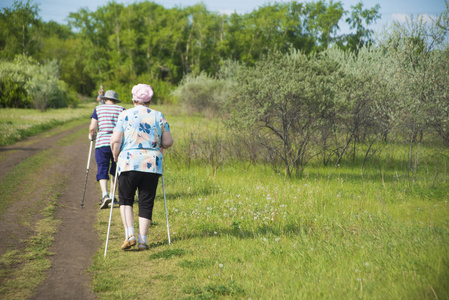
359	20
322	21
19	28
280	101
417	75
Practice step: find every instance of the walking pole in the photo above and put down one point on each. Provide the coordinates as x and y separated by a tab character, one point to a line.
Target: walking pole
110	214
166	212
87	172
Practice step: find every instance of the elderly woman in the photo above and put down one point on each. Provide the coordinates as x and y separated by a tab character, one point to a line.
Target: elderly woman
104	119
137	142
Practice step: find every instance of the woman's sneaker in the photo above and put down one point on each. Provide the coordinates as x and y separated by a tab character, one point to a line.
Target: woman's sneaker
115	202
104	202
142	246
129	242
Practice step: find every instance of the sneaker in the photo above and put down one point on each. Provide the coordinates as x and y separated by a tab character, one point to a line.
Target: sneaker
115	202
105	201
142	246
129	242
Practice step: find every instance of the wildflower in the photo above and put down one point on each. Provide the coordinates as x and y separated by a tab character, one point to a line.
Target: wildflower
220	265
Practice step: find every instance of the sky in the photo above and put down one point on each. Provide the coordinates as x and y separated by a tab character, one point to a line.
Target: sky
391	10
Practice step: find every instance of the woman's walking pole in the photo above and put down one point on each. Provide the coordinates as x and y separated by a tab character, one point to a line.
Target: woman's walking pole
166	212
112	206
87	172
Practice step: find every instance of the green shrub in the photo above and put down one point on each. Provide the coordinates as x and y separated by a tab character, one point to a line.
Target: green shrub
202	94
25	83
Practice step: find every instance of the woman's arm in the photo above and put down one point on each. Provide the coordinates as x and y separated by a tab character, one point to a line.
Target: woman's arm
167	140
116	143
93	128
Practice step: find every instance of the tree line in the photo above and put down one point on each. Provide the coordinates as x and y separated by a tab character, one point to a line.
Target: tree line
330	107
118	45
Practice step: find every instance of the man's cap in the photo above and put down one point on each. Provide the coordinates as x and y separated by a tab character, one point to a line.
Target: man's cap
111	95
142	92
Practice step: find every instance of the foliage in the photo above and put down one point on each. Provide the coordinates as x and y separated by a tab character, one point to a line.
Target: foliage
202	93
363	36
336	103
344	233
118	44
20	25
26	83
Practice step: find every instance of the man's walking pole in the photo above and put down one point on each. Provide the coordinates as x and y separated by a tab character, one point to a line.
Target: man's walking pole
110	214
166	212
87	172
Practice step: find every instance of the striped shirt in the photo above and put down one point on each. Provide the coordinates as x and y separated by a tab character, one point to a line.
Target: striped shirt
106	115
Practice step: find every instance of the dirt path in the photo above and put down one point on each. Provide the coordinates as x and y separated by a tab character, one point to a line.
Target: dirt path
76	240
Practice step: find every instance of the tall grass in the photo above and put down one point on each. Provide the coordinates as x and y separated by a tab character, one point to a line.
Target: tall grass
240	230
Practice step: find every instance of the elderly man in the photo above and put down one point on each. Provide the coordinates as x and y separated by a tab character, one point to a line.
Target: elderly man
137	142
104	119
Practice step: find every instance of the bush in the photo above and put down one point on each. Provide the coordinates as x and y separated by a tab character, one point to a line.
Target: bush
202	94
25	83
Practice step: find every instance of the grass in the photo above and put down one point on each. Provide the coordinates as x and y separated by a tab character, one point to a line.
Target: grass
22	271
241	231
239	235
245	232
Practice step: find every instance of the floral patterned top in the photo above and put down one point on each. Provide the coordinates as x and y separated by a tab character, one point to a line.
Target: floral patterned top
141	145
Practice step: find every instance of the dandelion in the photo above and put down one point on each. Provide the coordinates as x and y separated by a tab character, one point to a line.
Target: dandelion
220	265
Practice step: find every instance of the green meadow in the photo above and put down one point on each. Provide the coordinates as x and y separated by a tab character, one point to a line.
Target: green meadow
239	230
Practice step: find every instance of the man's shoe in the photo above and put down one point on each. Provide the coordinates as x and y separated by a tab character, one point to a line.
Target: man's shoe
104	202
129	242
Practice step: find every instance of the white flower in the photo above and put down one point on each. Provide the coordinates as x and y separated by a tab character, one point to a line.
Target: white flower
220	265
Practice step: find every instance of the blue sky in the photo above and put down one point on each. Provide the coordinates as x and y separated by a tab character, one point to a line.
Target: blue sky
391	10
